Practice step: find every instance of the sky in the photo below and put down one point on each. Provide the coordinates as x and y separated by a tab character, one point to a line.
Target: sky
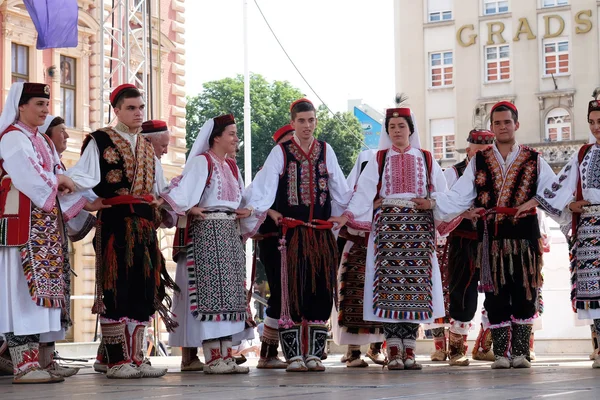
344	48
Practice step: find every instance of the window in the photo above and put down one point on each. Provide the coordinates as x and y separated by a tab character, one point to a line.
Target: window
556	57
439	10
20	63
494	7
554	3
441	69
558	125
442	134
67	89
497	63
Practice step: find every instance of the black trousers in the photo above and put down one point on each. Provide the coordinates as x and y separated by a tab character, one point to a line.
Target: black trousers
270	257
511	300
463	277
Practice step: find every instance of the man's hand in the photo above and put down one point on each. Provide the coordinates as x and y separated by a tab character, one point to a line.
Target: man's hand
243	213
157	202
523	208
275	216
65	184
338	221
472	214
95	205
577	206
422	204
197	212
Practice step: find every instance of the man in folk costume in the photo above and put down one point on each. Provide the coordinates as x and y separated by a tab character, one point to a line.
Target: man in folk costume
299	180
212	310
131	275
575	195
157	133
33	288
402	269
270	257
496	182
462	268
348	326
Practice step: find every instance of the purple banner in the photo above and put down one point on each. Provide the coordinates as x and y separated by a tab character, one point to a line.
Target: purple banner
55	22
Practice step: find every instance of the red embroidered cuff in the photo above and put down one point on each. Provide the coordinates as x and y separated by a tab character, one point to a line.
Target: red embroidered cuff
51	200
75	209
260	218
354	224
172	203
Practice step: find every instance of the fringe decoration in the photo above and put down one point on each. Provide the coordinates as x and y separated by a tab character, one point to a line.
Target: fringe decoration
98	306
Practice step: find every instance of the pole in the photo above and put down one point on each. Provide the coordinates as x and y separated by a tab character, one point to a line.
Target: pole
247	138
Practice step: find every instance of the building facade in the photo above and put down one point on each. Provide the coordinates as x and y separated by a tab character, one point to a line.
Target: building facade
456	58
75	76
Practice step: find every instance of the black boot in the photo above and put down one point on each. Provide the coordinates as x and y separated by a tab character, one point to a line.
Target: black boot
521	333
291	344
501	339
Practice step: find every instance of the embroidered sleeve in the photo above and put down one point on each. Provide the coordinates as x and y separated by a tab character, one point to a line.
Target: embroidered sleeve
71	205
354	224
190	187
554	193
19	162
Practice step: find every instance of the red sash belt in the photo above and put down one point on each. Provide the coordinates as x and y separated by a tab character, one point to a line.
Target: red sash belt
288	223
128	199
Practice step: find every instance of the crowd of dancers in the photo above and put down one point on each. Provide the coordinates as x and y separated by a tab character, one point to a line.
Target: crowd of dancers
398	243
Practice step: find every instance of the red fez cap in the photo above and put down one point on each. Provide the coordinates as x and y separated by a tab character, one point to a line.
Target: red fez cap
594	105
505	104
281	132
114	96
31	90
397	112
223	120
481	136
153	126
302	100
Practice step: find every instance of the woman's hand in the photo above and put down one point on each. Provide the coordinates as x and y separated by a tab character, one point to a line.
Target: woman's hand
275	216
95	205
577	206
338	221
197	212
523	208
65	184
243	213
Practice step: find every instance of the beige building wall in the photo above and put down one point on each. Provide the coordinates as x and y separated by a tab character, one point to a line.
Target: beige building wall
466	32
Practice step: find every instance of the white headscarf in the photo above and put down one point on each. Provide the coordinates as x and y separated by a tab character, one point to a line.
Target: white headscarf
10	113
384	138
201	143
592	139
47	122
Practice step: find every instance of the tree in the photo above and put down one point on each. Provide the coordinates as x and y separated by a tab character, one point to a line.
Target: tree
270	111
344	137
270	104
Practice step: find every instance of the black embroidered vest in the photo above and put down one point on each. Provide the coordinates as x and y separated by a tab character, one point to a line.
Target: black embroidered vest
517	187
303	191
122	171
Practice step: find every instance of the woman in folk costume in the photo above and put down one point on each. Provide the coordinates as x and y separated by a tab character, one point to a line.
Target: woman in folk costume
348	326
402	267
33	273
575	195
213	309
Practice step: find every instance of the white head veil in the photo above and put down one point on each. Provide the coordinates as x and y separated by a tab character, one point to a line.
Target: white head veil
592	139
384	138
201	143
10	113
47	122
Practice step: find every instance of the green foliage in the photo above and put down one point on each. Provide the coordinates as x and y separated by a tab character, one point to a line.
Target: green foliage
270	111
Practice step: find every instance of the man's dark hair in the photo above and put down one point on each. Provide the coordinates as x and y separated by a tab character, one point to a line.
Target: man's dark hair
55	122
302	107
514	115
409	122
129	93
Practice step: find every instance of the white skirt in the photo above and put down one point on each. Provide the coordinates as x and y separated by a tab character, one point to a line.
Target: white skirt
438	294
18	312
192	332
342	337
